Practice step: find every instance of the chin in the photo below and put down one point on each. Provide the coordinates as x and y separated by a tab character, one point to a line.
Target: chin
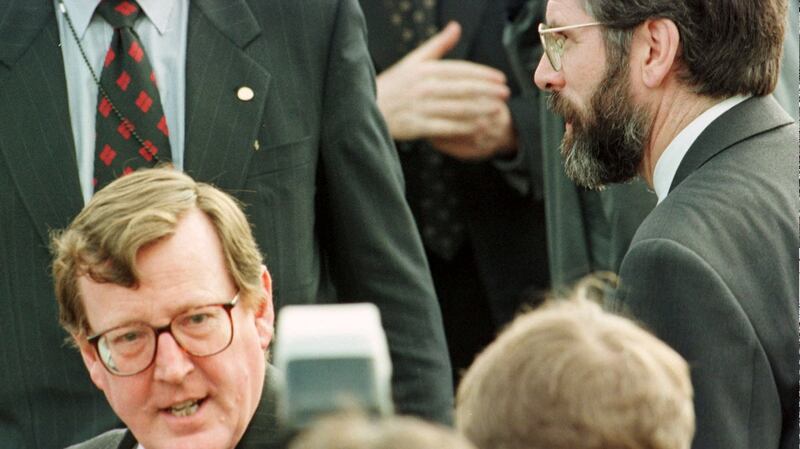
213	431
202	440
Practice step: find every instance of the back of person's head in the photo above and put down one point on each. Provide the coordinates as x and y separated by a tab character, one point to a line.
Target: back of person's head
133	212
569	375
351	430
726	48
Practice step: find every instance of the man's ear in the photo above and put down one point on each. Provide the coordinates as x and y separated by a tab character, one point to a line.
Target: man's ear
656	43
93	364
265	314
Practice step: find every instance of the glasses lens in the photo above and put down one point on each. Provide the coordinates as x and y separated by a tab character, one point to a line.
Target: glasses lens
127	350
553	50
203	331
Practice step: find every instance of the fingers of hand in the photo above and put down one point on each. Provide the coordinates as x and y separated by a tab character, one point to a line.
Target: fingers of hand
464	90
461	70
439	98
460	109
438	45
491	134
460	148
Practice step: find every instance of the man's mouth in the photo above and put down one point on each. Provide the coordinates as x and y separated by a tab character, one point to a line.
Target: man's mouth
185	408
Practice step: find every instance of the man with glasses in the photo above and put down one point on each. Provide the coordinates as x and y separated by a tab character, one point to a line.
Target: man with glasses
162	288
587	230
678	92
271	100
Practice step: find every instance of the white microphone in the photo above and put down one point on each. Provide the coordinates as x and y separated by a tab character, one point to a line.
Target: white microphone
331	357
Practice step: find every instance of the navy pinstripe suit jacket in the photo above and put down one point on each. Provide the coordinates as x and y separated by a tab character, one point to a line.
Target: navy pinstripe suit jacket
323	190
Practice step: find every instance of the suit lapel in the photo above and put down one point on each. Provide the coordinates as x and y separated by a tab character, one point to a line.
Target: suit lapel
128	441
36	142
221	129
468	13
263	431
753	116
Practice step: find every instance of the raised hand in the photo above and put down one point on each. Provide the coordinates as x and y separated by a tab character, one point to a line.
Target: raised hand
459	106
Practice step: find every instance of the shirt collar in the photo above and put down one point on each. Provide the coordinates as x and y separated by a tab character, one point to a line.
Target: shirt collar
81	12
159	12
667	165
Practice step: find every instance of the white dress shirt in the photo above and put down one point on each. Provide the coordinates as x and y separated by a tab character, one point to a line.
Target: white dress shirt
162	30
667	165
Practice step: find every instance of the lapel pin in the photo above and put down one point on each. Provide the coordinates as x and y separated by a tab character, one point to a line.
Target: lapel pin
245	93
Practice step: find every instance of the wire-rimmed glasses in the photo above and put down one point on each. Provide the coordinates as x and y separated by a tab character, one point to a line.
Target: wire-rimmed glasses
553	44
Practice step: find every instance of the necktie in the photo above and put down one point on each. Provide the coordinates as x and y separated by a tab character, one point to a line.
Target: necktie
131	127
431	187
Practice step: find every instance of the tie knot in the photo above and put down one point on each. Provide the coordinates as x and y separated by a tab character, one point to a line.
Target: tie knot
119	13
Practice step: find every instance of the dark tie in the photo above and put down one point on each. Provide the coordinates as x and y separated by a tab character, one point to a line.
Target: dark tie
131	127
431	188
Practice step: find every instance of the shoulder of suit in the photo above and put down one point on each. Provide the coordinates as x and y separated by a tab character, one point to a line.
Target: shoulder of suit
107	440
667	218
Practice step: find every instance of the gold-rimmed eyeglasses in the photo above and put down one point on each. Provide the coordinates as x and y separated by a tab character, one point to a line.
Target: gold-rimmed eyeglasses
131	348
553	44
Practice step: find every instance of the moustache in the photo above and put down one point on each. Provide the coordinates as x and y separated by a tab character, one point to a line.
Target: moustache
562	107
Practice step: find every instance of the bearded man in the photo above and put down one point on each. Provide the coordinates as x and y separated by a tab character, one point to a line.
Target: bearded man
678	92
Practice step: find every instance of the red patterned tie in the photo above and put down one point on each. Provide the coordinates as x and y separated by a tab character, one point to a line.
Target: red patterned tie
131	127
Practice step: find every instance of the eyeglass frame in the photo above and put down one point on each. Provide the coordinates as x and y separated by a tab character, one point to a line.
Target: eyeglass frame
228	306
555	61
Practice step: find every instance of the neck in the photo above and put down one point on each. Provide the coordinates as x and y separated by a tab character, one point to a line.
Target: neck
673	112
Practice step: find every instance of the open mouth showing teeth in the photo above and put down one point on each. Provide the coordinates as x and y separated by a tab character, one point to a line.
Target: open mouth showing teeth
186	408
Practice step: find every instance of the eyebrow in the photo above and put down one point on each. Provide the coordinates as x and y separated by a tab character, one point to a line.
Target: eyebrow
130	322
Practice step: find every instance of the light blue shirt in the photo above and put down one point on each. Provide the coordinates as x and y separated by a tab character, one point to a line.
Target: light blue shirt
162	30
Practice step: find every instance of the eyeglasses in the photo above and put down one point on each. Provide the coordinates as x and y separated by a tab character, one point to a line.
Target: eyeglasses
131	348
554	45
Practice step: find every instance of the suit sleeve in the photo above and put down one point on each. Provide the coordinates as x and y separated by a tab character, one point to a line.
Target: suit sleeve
683	301
373	250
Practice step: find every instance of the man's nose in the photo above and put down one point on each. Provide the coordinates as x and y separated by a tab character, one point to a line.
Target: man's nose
172	363
546	78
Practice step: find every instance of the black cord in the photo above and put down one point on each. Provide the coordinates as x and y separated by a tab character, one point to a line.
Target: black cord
103	92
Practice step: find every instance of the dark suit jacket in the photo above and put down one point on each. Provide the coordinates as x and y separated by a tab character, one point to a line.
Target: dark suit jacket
505	226
263	432
713	272
587	231
323	190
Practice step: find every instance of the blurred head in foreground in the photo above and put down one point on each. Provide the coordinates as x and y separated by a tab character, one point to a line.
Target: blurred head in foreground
349	430
569	375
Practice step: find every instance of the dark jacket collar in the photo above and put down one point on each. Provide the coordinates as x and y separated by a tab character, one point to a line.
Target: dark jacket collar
750	117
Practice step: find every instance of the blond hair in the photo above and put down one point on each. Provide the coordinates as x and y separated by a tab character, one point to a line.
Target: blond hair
135	211
352	430
572	376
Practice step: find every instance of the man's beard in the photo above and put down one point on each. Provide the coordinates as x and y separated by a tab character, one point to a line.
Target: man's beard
606	143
